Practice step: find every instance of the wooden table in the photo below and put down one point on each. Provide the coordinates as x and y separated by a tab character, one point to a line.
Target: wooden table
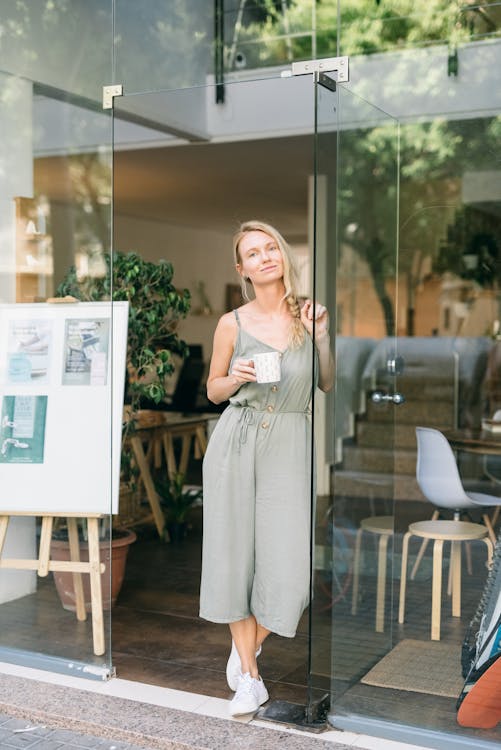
475	441
154	436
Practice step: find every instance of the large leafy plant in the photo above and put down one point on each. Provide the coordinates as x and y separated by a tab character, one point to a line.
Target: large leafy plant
155	306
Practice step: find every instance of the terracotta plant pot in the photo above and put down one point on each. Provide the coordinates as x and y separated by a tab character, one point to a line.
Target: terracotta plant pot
111	585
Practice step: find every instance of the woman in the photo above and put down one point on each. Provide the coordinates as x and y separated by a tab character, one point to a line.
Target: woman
257	468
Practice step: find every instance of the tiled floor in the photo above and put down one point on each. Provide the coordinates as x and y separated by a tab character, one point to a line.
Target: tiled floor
159	639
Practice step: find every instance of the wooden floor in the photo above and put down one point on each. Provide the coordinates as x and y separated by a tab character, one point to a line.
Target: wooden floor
158	638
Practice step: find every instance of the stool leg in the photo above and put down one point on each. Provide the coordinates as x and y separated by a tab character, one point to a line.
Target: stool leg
422	549
490	551
487	521
469	566
356	573
381	582
436	594
449	577
403	577
456	578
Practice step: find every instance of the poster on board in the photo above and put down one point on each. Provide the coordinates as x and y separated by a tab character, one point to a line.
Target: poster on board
29	350
22	429
62	374
86	351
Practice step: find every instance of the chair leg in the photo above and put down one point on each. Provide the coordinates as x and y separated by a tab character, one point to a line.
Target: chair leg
495	516
356	573
436	594
487	521
403	577
422	549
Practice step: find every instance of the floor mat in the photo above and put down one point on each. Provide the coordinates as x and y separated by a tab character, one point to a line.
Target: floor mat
420	667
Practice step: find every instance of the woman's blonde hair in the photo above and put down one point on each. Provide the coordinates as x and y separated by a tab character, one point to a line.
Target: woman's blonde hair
296	336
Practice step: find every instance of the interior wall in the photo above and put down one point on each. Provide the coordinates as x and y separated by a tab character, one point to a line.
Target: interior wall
197	256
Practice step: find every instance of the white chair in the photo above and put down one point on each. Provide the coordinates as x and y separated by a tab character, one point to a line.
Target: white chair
438	477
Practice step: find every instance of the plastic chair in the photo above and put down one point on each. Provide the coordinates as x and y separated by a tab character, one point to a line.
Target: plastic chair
438	477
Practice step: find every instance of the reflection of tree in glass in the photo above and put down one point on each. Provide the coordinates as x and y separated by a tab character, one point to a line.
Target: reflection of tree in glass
433	158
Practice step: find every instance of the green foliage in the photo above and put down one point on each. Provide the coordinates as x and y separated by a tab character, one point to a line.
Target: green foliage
155	306
175	500
362	27
474	234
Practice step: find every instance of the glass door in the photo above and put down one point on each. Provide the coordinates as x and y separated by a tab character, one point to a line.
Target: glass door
188	169
357	158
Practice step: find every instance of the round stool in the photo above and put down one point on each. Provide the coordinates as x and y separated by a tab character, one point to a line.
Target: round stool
383	527
442	531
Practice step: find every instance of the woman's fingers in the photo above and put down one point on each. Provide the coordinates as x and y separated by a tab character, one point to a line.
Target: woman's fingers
244	370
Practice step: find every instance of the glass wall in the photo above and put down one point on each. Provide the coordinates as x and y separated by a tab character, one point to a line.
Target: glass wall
58	398
443	298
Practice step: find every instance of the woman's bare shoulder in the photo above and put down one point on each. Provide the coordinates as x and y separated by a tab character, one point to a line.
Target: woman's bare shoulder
227	322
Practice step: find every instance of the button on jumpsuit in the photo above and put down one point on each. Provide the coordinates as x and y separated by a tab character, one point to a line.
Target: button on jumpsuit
257	496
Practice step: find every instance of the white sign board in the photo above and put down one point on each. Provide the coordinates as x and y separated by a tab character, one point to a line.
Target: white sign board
62	372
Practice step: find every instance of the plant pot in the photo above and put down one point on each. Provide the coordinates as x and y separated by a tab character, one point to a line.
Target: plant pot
177	531
111	585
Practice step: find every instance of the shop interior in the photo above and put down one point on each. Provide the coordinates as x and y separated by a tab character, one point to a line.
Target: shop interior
181	201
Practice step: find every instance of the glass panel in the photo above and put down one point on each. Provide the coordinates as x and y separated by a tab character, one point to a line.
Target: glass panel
160	46
448	331
180	199
259	34
356	256
56	390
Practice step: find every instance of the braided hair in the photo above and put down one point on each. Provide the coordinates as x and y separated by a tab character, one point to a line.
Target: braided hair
297	332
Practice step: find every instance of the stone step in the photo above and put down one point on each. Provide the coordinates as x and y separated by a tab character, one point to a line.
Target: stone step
423	389
373	486
429	413
387	435
400	461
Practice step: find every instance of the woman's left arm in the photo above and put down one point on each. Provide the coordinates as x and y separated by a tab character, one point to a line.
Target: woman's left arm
319	314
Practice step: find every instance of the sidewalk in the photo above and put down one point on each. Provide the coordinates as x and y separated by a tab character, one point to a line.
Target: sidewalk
19	733
63	713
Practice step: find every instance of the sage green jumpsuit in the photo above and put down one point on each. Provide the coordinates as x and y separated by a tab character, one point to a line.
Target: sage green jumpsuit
257	484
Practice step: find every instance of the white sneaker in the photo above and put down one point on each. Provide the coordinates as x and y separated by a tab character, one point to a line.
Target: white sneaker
251	693
234	667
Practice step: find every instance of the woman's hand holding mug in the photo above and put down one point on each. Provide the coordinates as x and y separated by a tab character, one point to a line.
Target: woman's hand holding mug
243	371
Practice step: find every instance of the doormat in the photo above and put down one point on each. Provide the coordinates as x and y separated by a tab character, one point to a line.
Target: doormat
420	667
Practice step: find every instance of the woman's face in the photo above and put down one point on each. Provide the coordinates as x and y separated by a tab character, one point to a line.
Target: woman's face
260	258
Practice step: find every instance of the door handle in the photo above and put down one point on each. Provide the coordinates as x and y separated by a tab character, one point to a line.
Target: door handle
378	397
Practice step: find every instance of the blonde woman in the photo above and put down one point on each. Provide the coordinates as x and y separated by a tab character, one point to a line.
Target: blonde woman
257	468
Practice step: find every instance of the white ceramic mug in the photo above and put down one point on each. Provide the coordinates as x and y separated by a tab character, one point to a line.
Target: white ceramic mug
267	367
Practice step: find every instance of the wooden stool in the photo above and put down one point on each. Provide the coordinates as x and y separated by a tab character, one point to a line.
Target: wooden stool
442	531
383	526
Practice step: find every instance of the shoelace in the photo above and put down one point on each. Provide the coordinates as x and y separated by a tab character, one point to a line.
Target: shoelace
246	685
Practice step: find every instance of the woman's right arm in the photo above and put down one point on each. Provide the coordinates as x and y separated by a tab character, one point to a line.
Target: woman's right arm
220	384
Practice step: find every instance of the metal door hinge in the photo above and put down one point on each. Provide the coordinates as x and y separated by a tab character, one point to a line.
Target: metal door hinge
109	93
339	65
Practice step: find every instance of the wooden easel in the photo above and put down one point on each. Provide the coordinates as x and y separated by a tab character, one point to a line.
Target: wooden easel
44	565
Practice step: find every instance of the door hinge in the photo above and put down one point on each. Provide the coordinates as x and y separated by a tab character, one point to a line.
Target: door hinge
110	92
339	65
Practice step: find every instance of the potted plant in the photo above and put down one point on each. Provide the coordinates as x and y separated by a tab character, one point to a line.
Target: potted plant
113	554
155	306
177	500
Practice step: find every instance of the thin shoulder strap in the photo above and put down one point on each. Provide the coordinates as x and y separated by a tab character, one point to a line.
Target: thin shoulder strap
237	317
